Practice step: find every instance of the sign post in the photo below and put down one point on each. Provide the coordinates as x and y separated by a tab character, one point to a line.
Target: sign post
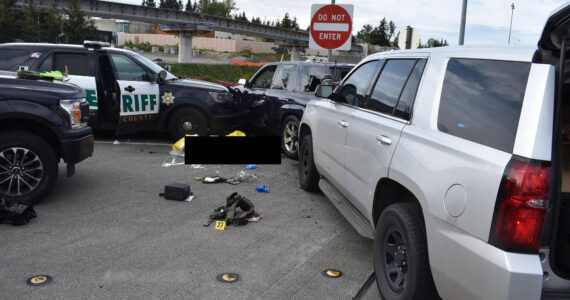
331	27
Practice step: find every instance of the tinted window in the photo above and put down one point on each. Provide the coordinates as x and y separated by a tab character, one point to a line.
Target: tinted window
47	64
263	79
127	69
406	102
481	100
312	76
389	85
11	59
282	78
77	64
355	87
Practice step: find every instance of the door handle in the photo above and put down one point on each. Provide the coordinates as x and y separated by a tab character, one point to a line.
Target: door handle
130	89
343	123
384	139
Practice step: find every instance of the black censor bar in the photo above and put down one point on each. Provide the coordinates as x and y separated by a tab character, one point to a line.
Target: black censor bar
232	150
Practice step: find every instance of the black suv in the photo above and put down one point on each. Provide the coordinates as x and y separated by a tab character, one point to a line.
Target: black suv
127	92
278	93
41	122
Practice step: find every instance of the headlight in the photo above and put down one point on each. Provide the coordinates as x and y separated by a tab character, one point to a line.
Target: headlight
73	109
221	97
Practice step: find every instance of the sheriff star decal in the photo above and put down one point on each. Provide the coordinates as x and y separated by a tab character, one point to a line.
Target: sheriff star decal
167	98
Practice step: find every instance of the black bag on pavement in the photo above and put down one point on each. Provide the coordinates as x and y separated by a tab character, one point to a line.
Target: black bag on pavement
12	212
176	191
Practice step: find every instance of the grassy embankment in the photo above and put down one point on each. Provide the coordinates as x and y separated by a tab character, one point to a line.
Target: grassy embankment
214	73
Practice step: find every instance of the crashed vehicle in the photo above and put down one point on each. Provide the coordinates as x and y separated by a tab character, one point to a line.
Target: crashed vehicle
277	94
456	162
129	93
41	123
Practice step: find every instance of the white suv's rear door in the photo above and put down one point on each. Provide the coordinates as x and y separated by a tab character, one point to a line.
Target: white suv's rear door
376	128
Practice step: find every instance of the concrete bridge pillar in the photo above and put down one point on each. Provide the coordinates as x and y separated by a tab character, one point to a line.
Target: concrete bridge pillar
295	54
185	48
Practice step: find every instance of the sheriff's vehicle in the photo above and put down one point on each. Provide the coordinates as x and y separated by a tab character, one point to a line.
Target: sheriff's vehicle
127	92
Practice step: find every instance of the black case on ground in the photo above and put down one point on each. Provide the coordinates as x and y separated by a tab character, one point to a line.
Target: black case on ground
176	191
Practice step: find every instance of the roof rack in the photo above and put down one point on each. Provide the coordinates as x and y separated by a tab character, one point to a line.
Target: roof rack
95	44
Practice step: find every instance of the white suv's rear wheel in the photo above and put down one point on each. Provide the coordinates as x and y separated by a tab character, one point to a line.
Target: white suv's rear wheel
400	254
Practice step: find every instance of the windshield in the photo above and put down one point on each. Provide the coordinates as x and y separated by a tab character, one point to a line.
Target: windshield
154	67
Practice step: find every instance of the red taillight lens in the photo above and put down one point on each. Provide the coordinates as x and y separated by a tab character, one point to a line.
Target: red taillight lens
521	205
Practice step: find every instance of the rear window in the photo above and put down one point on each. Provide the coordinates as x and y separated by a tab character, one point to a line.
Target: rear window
312	76
11	59
74	63
481	101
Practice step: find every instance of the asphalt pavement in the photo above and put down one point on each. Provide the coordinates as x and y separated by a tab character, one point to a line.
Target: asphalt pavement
105	233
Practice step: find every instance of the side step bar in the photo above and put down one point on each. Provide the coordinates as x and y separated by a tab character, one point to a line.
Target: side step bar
350	213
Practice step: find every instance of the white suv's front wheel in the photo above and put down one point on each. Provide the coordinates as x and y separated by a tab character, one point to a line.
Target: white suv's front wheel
400	254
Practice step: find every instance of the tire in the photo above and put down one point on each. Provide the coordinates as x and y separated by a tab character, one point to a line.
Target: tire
187	121
401	261
308	174
28	167
289	137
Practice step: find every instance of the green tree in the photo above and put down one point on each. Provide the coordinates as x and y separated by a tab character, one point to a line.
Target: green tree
190	7
381	35
9	21
222	8
432	43
77	28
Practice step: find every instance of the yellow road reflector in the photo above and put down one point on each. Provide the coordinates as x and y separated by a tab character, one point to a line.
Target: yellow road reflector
227	277
332	273
39	280
221	225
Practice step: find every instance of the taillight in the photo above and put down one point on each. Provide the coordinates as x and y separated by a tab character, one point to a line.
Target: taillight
521	205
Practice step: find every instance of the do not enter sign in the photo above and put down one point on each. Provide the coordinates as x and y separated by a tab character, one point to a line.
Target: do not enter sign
331	26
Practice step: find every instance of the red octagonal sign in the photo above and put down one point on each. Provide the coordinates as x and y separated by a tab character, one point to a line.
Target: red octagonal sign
331	27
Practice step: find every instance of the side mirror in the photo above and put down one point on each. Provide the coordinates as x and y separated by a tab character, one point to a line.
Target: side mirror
323	91
168	68
161	75
242	81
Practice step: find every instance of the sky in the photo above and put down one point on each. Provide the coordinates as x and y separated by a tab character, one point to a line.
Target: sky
487	20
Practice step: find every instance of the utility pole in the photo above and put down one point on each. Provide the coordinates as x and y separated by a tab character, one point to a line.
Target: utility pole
462	26
511	26
330	51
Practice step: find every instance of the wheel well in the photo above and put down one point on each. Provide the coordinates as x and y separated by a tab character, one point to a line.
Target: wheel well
304	130
186	105
36	128
390	192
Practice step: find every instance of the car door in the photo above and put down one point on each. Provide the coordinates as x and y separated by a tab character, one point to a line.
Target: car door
334	119
254	94
139	95
376	128
282	91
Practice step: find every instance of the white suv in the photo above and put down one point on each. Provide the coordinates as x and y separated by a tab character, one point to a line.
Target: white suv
456	161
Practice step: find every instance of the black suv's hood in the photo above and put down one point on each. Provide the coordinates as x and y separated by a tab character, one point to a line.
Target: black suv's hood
556	27
37	90
198	84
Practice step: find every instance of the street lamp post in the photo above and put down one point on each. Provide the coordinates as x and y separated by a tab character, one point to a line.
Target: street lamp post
511	26
462	25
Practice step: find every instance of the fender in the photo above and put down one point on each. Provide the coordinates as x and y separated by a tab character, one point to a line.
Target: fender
21	109
291	109
180	103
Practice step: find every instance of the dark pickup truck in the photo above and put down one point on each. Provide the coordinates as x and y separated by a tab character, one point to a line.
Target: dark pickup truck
277	94
41	122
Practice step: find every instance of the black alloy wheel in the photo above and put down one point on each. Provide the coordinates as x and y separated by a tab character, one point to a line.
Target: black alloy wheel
28	167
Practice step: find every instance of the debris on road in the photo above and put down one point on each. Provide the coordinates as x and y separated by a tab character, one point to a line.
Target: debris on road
12	212
116	142
242	176
217	179
229	214
250	167
262	189
177	191
171	161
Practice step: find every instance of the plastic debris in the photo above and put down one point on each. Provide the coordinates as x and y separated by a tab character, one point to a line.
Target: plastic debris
242	176
250	167
236	133
116	142
12	212
255	218
197	167
262	189
218	179
171	161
